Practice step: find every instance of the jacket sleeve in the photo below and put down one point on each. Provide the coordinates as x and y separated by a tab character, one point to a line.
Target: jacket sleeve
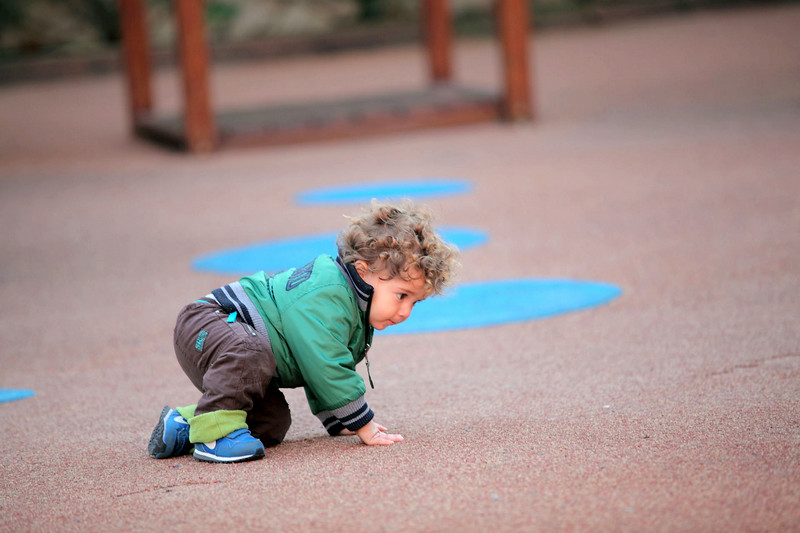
317	328
329	420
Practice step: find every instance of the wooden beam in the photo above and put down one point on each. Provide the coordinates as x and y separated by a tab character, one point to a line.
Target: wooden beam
438	36
199	127
514	27
136	57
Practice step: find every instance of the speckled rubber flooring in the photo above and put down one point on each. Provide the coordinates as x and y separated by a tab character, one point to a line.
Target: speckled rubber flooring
664	160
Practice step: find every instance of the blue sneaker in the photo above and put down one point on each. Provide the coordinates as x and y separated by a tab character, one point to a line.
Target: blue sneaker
170	437
234	447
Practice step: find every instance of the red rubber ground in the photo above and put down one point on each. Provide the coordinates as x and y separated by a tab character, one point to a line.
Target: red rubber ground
664	160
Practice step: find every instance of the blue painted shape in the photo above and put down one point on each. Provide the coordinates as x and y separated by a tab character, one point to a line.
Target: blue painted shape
9	395
364	192
278	255
491	303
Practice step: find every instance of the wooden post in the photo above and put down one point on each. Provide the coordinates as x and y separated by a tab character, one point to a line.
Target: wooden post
199	126
438	36
136	57
514	26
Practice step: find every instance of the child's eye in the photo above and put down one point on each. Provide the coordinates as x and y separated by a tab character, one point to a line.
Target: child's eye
401	296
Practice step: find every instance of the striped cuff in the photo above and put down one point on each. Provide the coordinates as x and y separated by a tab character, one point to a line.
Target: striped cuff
331	423
352	416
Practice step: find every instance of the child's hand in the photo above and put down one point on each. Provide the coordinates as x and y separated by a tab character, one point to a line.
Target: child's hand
346	432
375	435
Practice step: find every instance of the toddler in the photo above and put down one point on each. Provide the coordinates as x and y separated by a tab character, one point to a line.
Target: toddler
305	327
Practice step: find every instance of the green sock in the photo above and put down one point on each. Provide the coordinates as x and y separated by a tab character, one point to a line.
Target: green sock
209	427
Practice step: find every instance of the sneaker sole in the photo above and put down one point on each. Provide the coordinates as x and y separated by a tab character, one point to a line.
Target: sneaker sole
157	445
211	458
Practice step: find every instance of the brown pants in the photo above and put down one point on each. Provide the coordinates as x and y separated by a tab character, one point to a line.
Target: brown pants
233	366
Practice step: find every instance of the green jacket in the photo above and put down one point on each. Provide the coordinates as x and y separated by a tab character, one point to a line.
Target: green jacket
317	320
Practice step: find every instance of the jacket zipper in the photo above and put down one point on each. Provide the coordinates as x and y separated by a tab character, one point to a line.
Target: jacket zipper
368	340
366	349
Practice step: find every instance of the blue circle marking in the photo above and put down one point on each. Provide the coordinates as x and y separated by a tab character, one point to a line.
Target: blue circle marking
491	303
278	255
364	192
9	395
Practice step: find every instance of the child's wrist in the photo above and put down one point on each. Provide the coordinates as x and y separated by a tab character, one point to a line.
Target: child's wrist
366	431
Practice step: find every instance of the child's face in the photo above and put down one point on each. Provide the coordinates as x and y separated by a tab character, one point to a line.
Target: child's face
393	298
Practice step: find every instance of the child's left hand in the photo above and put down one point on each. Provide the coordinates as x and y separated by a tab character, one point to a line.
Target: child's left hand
346	432
375	435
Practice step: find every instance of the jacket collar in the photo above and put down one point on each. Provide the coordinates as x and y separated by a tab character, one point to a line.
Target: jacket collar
364	292
361	288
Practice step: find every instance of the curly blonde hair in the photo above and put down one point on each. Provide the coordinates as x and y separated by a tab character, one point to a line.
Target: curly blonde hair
396	238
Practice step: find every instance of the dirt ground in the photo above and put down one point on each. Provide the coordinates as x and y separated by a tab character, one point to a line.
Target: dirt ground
664	159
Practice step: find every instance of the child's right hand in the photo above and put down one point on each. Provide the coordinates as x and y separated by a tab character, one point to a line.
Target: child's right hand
375	435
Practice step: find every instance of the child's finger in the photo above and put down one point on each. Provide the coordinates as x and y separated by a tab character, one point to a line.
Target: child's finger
386	439
394	437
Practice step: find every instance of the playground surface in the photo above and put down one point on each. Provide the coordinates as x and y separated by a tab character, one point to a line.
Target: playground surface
664	160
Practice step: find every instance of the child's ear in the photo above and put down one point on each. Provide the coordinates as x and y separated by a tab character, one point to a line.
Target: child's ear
361	267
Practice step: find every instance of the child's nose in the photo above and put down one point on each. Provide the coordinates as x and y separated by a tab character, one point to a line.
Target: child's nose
405	311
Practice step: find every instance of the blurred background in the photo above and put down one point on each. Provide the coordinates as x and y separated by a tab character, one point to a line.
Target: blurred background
46	38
